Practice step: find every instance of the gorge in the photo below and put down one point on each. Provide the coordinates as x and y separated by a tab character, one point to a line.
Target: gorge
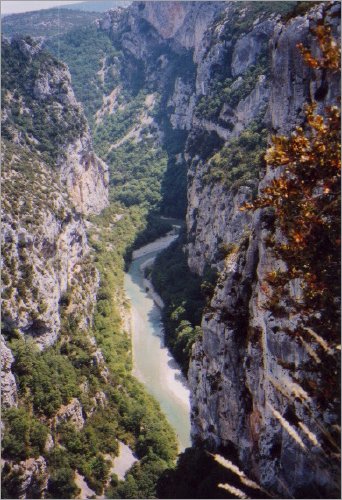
110	126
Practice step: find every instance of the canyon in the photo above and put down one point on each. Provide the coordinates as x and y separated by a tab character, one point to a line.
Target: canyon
188	97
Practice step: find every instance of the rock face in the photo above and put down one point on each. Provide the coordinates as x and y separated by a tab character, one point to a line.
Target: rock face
243	372
30	477
51	180
244	76
9	395
49	157
227	74
71	413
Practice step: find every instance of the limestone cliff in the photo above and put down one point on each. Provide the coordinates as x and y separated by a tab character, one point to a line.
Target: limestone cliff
51	180
51	177
222	76
245	373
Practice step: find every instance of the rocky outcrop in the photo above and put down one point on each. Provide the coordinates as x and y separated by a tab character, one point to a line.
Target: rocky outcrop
184	22
248	47
51	180
244	76
28	478
9	396
85	176
46	255
54	106
246	371
182	102
71	413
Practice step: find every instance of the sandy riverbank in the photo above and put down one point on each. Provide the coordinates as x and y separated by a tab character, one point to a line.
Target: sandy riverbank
123	462
120	465
155	246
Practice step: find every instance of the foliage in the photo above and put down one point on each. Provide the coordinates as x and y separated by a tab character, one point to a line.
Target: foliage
185	295
46	23
330	51
241	160
61	482
46	379
136	174
141	481
25	435
86	50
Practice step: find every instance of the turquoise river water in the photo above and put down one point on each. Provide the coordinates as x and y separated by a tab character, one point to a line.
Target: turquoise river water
153	365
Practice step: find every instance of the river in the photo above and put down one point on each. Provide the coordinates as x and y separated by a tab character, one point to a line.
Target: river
153	365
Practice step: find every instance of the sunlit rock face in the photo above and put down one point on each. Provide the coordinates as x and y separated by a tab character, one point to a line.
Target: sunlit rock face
49	183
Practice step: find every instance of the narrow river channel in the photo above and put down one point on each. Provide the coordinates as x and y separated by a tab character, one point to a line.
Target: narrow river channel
153	365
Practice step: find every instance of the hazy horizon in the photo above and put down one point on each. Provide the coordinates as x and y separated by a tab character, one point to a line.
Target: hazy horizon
19	6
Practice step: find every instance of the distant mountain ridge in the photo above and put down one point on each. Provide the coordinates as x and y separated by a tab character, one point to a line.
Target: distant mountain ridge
46	23
57	20
97	6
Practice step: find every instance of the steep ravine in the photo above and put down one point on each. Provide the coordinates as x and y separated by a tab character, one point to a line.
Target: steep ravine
68	395
248	81
191	93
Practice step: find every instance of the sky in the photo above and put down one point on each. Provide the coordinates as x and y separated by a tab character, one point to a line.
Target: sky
15	6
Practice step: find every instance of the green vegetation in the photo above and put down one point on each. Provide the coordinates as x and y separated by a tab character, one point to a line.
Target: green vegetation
46	23
61	481
140	481
241	161
86	50
185	295
115	126
25	435
136	174
46	380
45	122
